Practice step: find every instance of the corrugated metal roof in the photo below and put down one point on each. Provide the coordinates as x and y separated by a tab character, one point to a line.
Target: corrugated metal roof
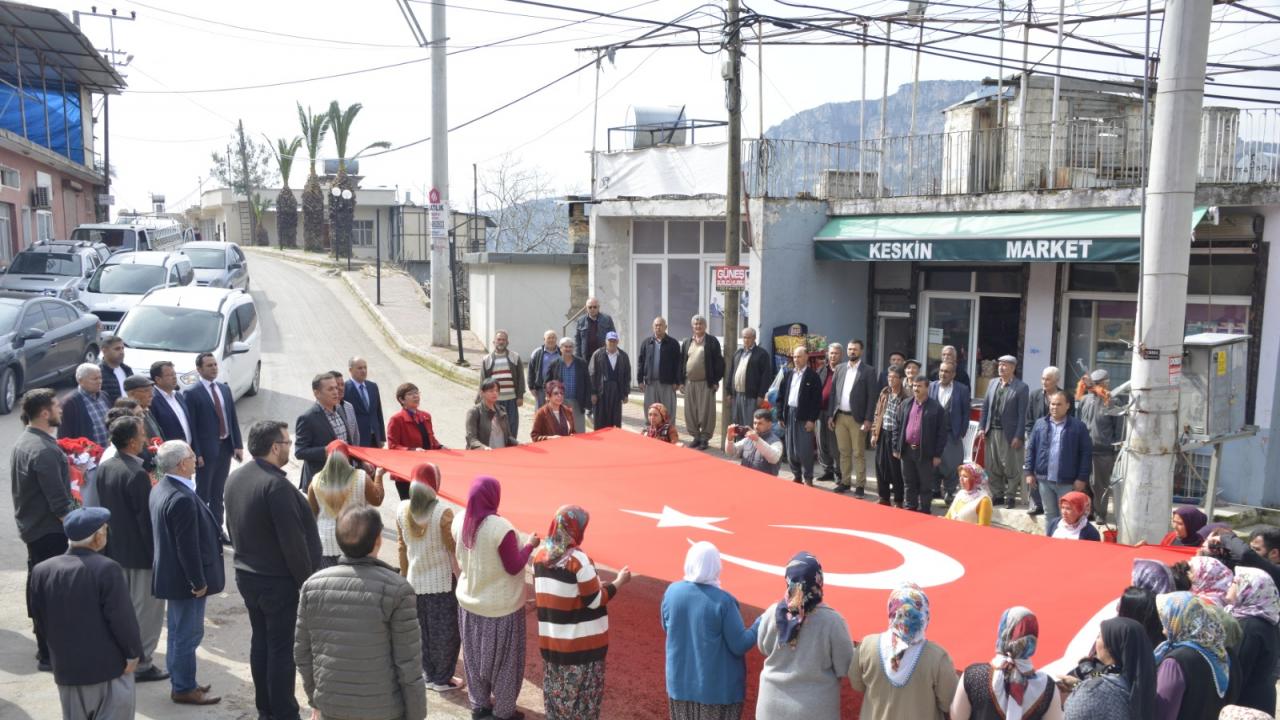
30	35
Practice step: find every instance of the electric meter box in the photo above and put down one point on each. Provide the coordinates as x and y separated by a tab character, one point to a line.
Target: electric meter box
1213	387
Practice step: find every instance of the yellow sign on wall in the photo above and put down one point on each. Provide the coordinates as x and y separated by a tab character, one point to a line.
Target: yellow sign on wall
1222	362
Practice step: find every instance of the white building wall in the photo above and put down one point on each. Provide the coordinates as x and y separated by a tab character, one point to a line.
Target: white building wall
1037	344
523	299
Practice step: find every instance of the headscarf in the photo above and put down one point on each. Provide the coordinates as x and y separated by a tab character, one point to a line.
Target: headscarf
1239	712
980	487
333	482
1210	579
1253	594
1014	679
565	534
428	473
1193	520
1081	504
1152	575
482	502
902	643
1127	642
1188	622
417	510
804	592
663	430
702	564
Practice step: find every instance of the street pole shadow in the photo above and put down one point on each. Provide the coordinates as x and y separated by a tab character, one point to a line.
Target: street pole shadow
18	657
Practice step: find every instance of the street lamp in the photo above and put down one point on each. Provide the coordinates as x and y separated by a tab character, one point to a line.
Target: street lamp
341	194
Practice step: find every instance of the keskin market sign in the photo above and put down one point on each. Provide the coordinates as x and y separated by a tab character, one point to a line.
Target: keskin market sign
1119	250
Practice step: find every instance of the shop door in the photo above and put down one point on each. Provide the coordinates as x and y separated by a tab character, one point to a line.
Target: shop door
648	284
893	334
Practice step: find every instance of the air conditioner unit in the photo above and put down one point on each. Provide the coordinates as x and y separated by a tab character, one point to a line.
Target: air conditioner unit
41	197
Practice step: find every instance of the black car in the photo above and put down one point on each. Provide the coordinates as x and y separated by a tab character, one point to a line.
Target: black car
42	340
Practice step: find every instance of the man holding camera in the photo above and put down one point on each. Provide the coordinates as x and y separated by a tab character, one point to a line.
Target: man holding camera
758	446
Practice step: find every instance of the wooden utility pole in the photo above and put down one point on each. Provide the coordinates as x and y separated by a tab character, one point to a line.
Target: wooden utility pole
732	196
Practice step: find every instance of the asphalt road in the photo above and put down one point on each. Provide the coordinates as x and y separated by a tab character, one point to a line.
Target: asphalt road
309	325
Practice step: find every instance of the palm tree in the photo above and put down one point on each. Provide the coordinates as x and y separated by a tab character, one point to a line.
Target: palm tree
342	205
314	128
286	203
259	206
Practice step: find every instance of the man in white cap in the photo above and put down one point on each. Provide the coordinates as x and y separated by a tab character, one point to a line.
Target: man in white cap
1003	426
80	601
1105	428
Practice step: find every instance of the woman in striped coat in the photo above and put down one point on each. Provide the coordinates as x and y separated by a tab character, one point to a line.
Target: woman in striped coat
573	619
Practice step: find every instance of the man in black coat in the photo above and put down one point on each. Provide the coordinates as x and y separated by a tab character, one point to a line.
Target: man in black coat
81	603
320	425
41	491
701	370
658	368
590	333
799	409
363	395
276	549
188	566
215	431
852	407
918	441
114	371
748	379
168	407
124	488
610	383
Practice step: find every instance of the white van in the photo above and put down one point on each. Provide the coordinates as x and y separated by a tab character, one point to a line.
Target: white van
124	237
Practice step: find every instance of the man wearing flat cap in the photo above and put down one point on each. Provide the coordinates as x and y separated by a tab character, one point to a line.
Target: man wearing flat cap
1105	428
1003	426
81	604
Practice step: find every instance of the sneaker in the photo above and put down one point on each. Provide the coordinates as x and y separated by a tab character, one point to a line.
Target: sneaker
860	493
840	489
453	684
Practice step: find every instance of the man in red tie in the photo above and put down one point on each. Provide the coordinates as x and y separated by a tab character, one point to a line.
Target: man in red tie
215	433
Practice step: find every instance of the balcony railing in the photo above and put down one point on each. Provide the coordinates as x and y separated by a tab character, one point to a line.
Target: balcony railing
1236	147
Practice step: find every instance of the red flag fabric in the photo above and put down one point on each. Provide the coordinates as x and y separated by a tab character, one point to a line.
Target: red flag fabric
649	501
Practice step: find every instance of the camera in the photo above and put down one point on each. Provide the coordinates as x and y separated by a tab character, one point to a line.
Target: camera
739	431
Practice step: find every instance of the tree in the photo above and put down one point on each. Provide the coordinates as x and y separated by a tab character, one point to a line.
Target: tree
228	169
314	128
521	202
286	203
259	207
342	203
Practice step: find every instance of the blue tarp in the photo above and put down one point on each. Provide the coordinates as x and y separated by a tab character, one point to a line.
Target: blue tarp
60	130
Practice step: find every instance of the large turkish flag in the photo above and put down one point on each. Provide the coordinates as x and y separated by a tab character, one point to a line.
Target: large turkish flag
649	501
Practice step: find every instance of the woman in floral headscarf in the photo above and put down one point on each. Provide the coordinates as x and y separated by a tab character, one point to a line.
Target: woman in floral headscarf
573	618
1009	686
1254	602
1210	581
806	648
973	501
1152	575
1192	667
899	672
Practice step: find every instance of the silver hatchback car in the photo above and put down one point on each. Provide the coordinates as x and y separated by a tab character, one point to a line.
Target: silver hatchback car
218	264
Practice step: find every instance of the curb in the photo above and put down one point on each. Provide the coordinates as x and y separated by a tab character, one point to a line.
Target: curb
327	262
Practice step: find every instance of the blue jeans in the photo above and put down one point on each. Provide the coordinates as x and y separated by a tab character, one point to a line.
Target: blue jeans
186	630
513	417
1050	494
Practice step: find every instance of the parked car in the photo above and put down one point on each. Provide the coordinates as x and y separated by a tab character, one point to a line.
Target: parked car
126	277
179	323
139	234
218	264
42	340
58	268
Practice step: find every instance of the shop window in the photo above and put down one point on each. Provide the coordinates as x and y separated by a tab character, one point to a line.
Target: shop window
956	280
1088	277
999	281
683	238
683	277
713	237
1221	275
649	237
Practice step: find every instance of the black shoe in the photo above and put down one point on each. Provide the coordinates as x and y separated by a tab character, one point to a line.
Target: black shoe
840	489
151	674
899	504
1035	511
44	666
481	713
1010	503
796	480
828	476
860	493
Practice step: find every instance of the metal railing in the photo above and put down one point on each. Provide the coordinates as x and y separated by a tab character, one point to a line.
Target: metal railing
1236	147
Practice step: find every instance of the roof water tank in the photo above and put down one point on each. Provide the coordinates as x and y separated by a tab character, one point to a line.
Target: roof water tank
656	125
331	166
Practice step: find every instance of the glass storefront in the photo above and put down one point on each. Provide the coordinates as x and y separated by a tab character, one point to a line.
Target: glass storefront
979	312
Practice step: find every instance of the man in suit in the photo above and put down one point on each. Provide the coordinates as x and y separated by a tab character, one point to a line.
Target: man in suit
828	451
41	491
168	407
84	411
363	395
749	375
276	549
800	408
81	603
950	355
853	406
1055	474
320	425
124	488
658	368
1038	407
215	431
955	399
701	370
589	335
188	566
918	441
114	371
540	364
1003	427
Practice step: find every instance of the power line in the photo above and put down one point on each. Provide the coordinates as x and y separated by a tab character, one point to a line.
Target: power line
280	83
268	32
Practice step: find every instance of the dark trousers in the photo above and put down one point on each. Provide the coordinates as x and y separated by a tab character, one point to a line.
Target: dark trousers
402	489
828	453
800	450
513	416
917	477
888	471
272	603
441	639
39	550
211	479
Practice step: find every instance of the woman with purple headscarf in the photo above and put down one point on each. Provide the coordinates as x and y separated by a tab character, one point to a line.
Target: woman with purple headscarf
1187	522
491	597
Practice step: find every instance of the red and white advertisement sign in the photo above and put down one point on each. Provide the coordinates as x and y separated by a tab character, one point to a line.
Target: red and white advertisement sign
731	277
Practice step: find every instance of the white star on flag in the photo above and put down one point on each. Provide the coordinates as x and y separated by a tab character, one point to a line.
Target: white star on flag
670	517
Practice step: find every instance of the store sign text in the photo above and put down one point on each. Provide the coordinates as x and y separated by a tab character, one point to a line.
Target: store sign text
1048	249
901	251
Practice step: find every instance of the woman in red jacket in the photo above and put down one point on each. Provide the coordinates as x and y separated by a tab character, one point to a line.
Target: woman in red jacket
410	429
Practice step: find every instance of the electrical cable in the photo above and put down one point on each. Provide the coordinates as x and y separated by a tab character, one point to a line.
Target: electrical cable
267	32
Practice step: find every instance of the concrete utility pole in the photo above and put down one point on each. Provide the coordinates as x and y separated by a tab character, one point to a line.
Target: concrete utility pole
1153	431
440	276
732	195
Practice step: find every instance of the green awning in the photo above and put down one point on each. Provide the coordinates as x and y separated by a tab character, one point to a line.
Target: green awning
1046	236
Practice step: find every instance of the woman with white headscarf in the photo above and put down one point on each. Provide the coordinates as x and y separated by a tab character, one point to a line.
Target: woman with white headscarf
706	642
899	672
